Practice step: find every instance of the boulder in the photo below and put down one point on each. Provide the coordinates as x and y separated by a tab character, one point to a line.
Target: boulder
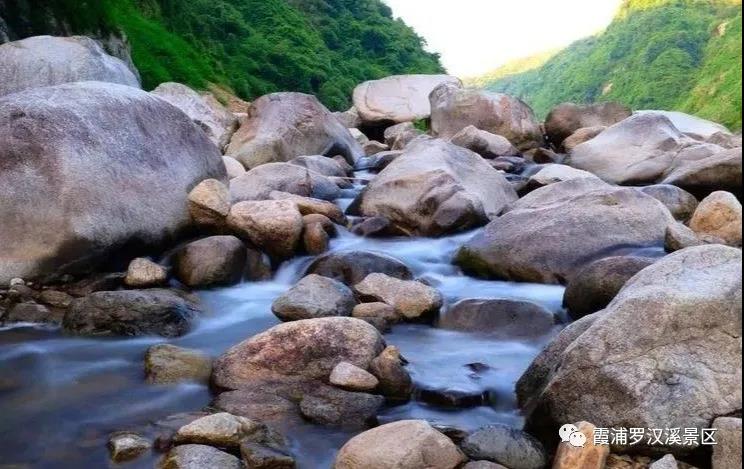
31	313
595	286
209	204
309	205
589	456
169	364
233	167
377	310
374	147
679	236
666	353
405	138
282	126
104	176
549	244
315	238
212	261
142	273
502	318
409	444
397	99
40	61
379	161
559	193
274	226
411	299
482	465
351	377
295	400
565	119
351	267
392	133
484	143
681	203
308	349
580	136
719	215
638	150
436	188
553	173
692	126
199	457
221	429
125	446
505	445
358	135
260	182
314	296
721	171
454	108
350	118
727	453
167	313
265	457
321	165
394	381
217	122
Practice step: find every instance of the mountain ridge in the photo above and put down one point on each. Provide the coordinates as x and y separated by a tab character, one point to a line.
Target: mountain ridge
668	54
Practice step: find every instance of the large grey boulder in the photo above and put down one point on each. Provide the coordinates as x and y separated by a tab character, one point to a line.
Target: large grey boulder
499	317
282	126
505	445
692	126
396	99
666	353
639	150
406	444
565	119
549	243
435	188
88	168
351	267
721	171
308	349
41	61
484	143
217	122
454	108
260	182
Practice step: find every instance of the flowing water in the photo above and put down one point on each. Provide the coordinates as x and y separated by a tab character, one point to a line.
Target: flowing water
62	396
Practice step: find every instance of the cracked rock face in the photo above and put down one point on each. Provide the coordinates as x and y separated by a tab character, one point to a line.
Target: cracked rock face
666	353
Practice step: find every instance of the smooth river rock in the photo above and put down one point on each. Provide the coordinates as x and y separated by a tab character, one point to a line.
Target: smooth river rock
314	296
454	108
41	61
551	242
283	126
102	178
406	444
565	119
307	349
435	188
396	99
666	353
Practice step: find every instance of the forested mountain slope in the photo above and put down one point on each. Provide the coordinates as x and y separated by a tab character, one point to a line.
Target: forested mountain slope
324	47
666	54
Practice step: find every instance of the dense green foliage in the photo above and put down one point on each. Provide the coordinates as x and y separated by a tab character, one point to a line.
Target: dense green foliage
656	54
253	47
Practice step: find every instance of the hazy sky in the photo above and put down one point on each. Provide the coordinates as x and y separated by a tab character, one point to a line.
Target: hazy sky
475	36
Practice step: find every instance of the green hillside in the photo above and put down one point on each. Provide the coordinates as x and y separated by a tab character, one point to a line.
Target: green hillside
666	54
253	47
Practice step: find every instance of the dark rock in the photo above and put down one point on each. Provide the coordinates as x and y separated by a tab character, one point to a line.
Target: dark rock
503	318
594	286
217	260
351	267
501	444
168	313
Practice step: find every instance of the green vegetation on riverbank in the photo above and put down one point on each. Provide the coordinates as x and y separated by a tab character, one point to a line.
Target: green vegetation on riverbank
666	54
253	47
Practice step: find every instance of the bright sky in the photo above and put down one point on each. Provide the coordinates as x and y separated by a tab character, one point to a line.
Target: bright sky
476	36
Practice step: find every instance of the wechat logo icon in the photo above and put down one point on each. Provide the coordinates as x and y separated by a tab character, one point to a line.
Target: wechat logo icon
570	434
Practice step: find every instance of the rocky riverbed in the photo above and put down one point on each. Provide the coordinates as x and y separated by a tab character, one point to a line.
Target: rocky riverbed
432	279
